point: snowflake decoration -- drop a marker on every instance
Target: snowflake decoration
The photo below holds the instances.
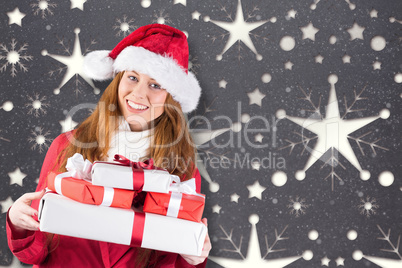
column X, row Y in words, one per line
column 161, row 17
column 373, row 144
column 304, row 140
column 381, row 261
column 333, row 163
column 237, row 248
column 297, row 206
column 124, row 27
column 193, row 64
column 207, row 109
column 39, row 139
column 395, row 249
column 13, row 57
column 208, row 153
column 36, row 105
column 254, row 257
column 42, row 7
column 368, row 206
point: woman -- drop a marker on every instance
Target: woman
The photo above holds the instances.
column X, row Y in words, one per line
column 140, row 115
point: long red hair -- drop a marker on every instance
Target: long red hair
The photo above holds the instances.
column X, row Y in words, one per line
column 171, row 146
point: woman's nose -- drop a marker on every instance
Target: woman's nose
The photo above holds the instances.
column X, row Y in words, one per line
column 140, row 90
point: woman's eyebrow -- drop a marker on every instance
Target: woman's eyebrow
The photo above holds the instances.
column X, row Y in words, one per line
column 153, row 81
column 133, row 72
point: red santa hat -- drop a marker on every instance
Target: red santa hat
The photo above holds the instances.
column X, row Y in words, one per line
column 157, row 50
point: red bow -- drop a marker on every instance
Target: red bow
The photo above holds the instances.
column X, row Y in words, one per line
column 138, row 169
column 147, row 164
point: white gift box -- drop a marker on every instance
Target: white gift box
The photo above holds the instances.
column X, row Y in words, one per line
column 61, row 215
column 120, row 176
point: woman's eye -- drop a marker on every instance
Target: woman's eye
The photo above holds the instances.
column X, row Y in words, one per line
column 133, row 78
column 155, row 86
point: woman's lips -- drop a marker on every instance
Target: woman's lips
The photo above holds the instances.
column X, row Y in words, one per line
column 133, row 110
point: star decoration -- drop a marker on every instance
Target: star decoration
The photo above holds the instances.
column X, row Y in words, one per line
column 255, row 165
column 222, row 83
column 74, row 62
column 202, row 137
column 196, row 15
column 292, row 13
column 216, row 209
column 15, row 16
column 16, row 176
column 377, row 65
column 258, row 137
column 78, row 4
column 374, row 13
column 183, row 2
column 234, row 198
column 339, row 261
column 319, row 58
column 356, row 32
column 256, row 97
column 333, row 132
column 67, row 124
column 6, row 204
column 239, row 30
column 309, row 31
column 325, row 261
column 346, row 58
column 255, row 190
column 288, row 65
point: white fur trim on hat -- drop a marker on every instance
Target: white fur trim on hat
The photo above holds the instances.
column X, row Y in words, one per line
column 98, row 65
column 183, row 87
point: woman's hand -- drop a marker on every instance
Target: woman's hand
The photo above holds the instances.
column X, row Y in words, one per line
column 21, row 212
column 194, row 260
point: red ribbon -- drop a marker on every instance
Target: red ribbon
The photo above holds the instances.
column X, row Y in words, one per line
column 147, row 164
column 138, row 169
column 138, row 229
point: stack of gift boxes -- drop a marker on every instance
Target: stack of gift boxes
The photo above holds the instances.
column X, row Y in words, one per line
column 94, row 201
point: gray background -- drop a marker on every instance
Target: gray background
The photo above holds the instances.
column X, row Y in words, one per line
column 367, row 207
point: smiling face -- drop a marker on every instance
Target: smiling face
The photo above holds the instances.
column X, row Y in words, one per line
column 141, row 100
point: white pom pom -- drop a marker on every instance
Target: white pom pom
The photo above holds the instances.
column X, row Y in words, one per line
column 98, row 65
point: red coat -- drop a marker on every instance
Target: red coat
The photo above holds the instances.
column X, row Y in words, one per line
column 77, row 252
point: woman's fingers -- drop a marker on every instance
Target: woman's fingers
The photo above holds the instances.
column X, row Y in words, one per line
column 28, row 210
column 28, row 197
column 205, row 221
column 28, row 223
column 194, row 260
column 207, row 244
column 21, row 212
